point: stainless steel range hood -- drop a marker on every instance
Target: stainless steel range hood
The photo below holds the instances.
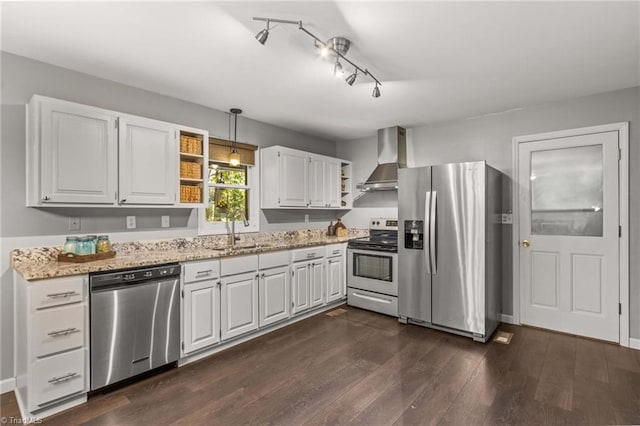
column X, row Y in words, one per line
column 392, row 154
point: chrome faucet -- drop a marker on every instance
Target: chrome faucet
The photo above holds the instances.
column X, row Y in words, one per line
column 233, row 215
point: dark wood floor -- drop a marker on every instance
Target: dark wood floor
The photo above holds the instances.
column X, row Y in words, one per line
column 363, row 368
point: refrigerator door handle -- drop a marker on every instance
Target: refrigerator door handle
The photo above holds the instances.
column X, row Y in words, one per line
column 426, row 228
column 432, row 234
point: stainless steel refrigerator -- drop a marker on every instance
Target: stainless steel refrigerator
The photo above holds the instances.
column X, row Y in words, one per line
column 449, row 242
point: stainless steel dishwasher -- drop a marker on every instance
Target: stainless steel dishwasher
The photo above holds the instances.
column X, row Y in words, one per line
column 135, row 322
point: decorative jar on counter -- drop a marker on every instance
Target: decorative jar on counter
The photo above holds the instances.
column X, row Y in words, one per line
column 103, row 245
column 70, row 245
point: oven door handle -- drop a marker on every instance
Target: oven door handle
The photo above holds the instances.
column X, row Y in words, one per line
column 426, row 229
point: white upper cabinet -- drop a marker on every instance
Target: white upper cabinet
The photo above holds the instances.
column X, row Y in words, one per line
column 76, row 149
column 296, row 179
column 78, row 155
column 147, row 155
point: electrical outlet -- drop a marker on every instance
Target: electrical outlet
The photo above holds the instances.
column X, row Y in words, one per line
column 507, row 218
column 306, row 218
column 74, row 223
column 131, row 222
column 165, row 222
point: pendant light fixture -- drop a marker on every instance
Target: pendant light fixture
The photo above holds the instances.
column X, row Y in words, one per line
column 234, row 157
column 337, row 46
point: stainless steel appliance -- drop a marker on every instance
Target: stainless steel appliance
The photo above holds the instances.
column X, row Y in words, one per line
column 449, row 247
column 372, row 268
column 135, row 322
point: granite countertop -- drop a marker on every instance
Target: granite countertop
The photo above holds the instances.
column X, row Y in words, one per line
column 42, row 263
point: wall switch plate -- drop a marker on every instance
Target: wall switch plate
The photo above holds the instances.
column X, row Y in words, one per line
column 131, row 222
column 74, row 223
column 165, row 222
column 507, row 218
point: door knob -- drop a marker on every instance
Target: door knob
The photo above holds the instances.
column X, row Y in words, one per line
column 526, row 243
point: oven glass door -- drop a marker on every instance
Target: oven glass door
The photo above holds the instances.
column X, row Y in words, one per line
column 373, row 270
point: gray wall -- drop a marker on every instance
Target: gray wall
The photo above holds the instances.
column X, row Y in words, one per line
column 21, row 79
column 490, row 138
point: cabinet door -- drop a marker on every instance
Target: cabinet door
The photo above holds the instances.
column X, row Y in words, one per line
column 317, row 283
column 201, row 316
column 335, row 278
column 147, row 167
column 78, row 154
column 317, row 177
column 332, row 184
column 293, row 179
column 301, row 287
column 239, row 304
column 274, row 295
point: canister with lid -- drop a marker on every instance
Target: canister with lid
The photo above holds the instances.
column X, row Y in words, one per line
column 103, row 245
column 70, row 245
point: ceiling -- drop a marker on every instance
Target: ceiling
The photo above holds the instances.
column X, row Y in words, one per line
column 437, row 60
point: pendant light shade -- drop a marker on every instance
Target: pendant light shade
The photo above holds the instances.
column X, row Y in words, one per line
column 234, row 158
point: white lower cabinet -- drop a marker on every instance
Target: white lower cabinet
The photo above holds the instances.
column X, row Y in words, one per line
column 201, row 318
column 200, row 305
column 316, row 275
column 335, row 279
column 301, row 286
column 51, row 344
column 274, row 295
column 239, row 304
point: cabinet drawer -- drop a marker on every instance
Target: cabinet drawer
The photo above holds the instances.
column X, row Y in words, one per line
column 373, row 301
column 199, row 271
column 273, row 260
column 334, row 250
column 57, row 330
column 59, row 291
column 307, row 254
column 238, row 265
column 58, row 376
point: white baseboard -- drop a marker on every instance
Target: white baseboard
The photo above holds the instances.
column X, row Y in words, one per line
column 7, row 385
column 634, row 343
column 508, row 319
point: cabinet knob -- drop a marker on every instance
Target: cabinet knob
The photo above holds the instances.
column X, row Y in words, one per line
column 46, row 198
column 526, row 244
column 124, row 200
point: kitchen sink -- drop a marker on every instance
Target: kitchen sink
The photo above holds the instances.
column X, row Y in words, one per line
column 241, row 246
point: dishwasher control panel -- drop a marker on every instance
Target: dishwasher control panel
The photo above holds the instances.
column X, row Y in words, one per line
column 100, row 279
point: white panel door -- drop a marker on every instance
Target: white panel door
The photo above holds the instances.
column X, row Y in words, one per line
column 293, row 179
column 301, row 287
column 335, row 278
column 333, row 195
column 201, row 317
column 274, row 295
column 569, row 234
column 78, row 156
column 148, row 159
column 317, row 273
column 239, row 304
column 317, row 173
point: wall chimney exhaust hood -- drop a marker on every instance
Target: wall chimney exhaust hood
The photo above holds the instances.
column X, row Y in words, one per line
column 392, row 155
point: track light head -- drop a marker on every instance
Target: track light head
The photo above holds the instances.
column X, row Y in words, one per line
column 376, row 92
column 352, row 78
column 337, row 69
column 263, row 35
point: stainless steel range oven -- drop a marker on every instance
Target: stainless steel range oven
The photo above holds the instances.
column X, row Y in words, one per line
column 372, row 268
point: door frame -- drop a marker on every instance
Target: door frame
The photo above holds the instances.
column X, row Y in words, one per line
column 623, row 199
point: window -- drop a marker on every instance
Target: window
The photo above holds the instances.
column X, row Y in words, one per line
column 232, row 197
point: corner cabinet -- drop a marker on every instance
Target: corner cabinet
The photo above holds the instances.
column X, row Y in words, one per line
column 79, row 155
column 291, row 178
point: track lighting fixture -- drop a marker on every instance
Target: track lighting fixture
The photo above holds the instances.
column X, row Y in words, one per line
column 351, row 78
column 263, row 35
column 337, row 46
column 234, row 156
column 376, row 92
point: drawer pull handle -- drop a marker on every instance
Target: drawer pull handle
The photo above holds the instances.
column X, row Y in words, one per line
column 202, row 273
column 61, row 379
column 63, row 294
column 63, row 332
column 373, row 299
column 336, row 252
